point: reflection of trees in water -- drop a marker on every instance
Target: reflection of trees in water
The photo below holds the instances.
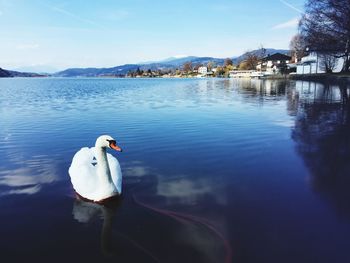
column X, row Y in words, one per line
column 322, row 133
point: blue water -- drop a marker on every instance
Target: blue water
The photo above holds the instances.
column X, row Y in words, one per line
column 215, row 170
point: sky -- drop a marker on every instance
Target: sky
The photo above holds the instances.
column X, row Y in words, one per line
column 57, row 34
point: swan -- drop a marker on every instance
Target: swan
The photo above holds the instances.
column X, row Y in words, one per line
column 96, row 174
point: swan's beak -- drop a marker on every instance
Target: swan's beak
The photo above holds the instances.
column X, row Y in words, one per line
column 116, row 147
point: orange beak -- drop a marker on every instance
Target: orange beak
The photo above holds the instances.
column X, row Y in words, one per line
column 116, row 147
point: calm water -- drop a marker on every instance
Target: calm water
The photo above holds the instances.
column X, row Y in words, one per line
column 214, row 171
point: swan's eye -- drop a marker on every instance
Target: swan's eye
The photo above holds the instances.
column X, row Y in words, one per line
column 112, row 142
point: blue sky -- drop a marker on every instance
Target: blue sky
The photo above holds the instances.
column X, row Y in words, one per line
column 107, row 33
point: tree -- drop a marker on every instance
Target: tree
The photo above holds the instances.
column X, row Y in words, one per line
column 326, row 27
column 210, row 65
column 196, row 67
column 139, row 72
column 187, row 67
column 251, row 60
column 328, row 62
column 298, row 47
column 220, row 71
column 228, row 62
column 243, row 66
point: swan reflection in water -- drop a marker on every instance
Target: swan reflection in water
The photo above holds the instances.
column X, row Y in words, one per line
column 87, row 212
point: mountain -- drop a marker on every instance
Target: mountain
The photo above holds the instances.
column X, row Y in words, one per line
column 259, row 53
column 41, row 69
column 4, row 73
column 10, row 73
column 25, row 74
column 166, row 64
column 178, row 62
column 94, row 72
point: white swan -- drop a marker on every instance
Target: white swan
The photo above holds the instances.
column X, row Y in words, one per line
column 95, row 174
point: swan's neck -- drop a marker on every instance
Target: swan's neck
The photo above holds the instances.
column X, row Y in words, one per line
column 103, row 170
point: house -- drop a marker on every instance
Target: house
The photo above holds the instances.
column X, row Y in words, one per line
column 317, row 62
column 203, row 71
column 273, row 64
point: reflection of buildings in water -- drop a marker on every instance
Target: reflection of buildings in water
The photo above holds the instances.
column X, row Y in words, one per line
column 207, row 90
column 292, row 99
column 322, row 134
column 325, row 92
column 262, row 88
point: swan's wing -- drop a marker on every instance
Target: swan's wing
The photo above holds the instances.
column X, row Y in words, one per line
column 83, row 172
column 116, row 172
column 83, row 156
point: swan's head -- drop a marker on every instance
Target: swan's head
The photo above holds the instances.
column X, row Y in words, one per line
column 106, row 141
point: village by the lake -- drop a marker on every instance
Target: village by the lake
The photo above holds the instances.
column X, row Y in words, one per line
column 175, row 131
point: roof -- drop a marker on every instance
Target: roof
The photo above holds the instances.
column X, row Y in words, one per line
column 277, row 56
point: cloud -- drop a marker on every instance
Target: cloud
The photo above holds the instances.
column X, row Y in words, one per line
column 293, row 23
column 72, row 15
column 27, row 46
column 28, row 190
column 29, row 179
column 188, row 191
column 292, row 6
column 1, row 13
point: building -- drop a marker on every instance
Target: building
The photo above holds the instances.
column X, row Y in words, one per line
column 315, row 63
column 273, row 64
column 203, row 71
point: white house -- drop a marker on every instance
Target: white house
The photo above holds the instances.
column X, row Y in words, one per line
column 203, row 70
column 314, row 64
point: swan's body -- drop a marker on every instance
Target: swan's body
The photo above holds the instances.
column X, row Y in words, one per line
column 96, row 174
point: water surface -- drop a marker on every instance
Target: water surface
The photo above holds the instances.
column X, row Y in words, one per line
column 215, row 170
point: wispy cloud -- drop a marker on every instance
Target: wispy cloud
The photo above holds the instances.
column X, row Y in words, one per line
column 27, row 46
column 1, row 13
column 72, row 15
column 289, row 24
column 292, row 6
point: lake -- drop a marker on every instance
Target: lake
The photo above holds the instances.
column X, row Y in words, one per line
column 214, row 170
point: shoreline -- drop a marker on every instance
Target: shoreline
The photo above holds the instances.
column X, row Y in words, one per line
column 343, row 77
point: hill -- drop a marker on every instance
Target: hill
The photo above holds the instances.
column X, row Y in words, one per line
column 259, row 53
column 4, row 73
column 95, row 72
column 10, row 73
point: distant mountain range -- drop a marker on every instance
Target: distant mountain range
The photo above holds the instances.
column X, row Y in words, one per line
column 10, row 73
column 40, row 69
column 166, row 64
